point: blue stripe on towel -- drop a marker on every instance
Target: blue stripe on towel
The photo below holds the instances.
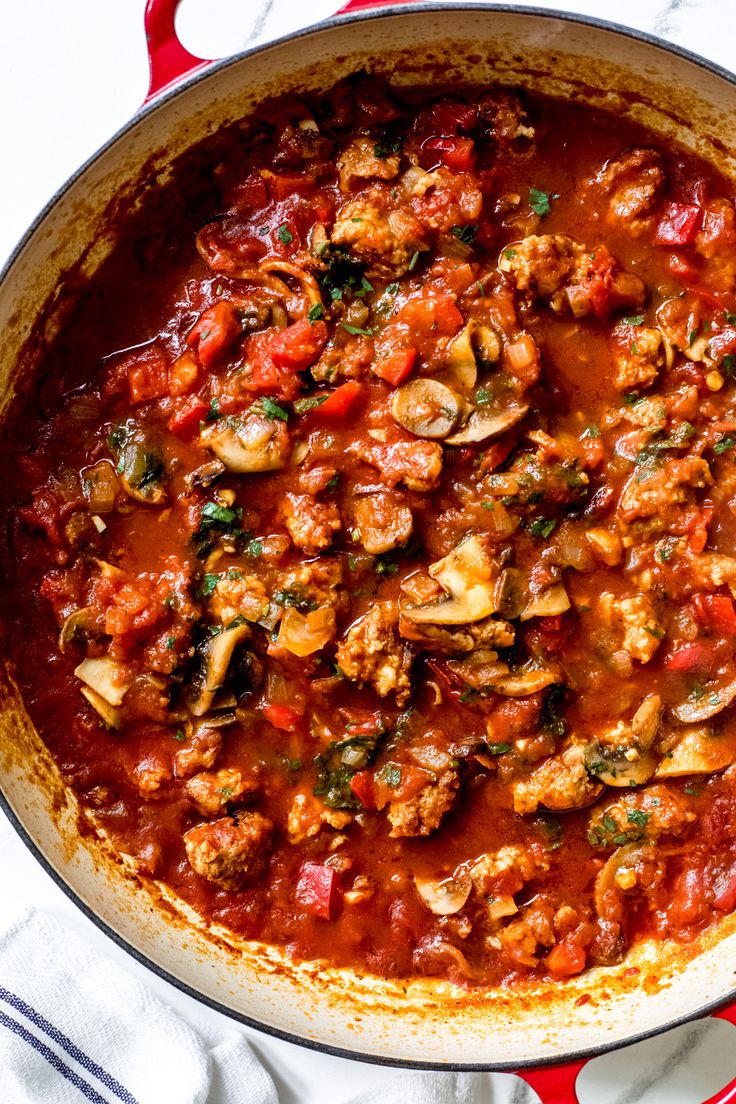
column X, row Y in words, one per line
column 71, row 1048
column 53, row 1059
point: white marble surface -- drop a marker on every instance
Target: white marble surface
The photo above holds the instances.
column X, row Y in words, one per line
column 70, row 74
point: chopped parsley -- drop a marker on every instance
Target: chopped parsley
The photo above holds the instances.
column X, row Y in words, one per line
column 272, row 409
column 217, row 521
column 464, row 234
column 385, row 147
column 284, row 234
column 727, row 442
column 691, row 337
column 208, row 585
column 356, row 330
column 294, row 599
column 498, row 749
column 482, row 396
column 542, row 527
column 539, row 202
column 390, row 775
column 303, row 406
column 315, row 313
column 253, row 548
column 633, row 320
column 638, row 817
column 413, row 261
column 509, row 254
column 392, row 289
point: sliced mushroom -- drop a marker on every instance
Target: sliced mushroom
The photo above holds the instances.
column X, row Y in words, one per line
column 79, row 623
column 519, row 684
column 466, row 577
column 443, row 898
column 712, row 701
column 141, row 471
column 476, row 342
column 427, row 408
column 485, row 423
column 623, row 756
column 619, row 875
column 252, row 443
column 549, row 603
column 108, row 679
column 509, row 593
column 109, row 714
column 698, row 751
column 216, row 655
column 205, row 475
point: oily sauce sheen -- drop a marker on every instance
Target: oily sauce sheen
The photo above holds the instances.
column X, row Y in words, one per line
column 370, row 546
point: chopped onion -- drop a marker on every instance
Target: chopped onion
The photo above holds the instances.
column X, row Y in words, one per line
column 304, row 634
column 522, row 353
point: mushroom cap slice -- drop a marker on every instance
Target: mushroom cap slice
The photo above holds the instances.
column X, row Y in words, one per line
column 111, row 716
column 140, row 470
column 446, row 897
column 467, row 575
column 485, row 423
column 518, row 684
column 253, row 443
column 549, row 603
column 427, row 408
column 79, row 622
column 698, row 751
column 216, row 654
column 707, row 705
column 108, row 679
column 614, row 766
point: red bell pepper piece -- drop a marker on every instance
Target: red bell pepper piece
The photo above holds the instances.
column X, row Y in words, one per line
column 689, row 657
column 456, row 153
column 565, row 959
column 678, row 224
column 717, row 612
column 681, row 268
column 316, row 889
column 340, row 402
column 285, row 184
column 215, row 332
column 298, row 345
column 187, row 418
column 284, row 717
column 362, row 786
column 148, row 375
column 396, row 367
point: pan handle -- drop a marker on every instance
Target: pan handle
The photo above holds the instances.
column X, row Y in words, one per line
column 168, row 60
column 556, row 1084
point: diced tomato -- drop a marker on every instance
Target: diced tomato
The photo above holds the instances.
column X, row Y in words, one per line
column 456, row 153
column 283, row 185
column 250, row 194
column 565, row 959
column 496, row 453
column 188, row 416
column 680, row 267
column 284, row 717
column 723, row 343
column 717, row 612
column 396, row 367
column 689, row 657
column 678, row 224
column 316, row 889
column 341, row 401
column 689, row 904
column 395, row 782
column 298, row 345
column 147, row 375
column 724, row 888
column 598, row 282
column 215, row 332
column 362, row 786
column 447, row 117
column 183, row 374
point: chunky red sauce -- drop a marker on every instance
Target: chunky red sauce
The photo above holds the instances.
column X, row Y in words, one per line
column 382, row 497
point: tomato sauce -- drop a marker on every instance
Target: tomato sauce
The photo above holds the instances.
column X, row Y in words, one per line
column 370, row 555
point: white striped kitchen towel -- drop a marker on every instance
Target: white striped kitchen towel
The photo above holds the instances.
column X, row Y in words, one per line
column 75, row 1028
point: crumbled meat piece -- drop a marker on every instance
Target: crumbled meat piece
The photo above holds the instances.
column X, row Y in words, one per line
column 311, row 524
column 417, row 464
column 200, row 753
column 520, row 940
column 314, row 479
column 359, row 161
column 560, row 782
column 345, row 356
column 681, row 321
column 442, row 199
column 307, row 816
column 150, row 773
column 570, row 276
column 648, row 413
column 535, row 482
column 651, row 488
column 638, row 354
column 317, row 581
column 505, row 871
column 633, row 183
column 637, row 617
column 657, row 810
column 383, row 521
column 489, row 633
column 504, row 116
column 373, row 652
column 210, row 792
column 383, row 236
column 422, row 813
column 228, row 851
column 238, row 595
